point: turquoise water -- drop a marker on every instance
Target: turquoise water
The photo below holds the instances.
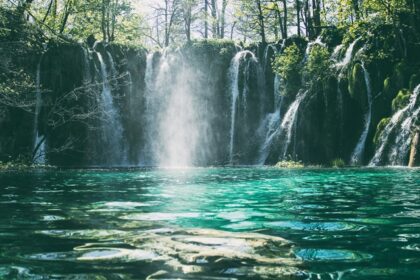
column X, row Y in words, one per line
column 221, row 223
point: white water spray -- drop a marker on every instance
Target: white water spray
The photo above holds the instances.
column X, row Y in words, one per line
column 234, row 87
column 357, row 155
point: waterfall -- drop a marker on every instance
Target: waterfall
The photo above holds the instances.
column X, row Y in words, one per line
column 112, row 128
column 336, row 53
column 348, row 56
column 266, row 56
column 39, row 146
column 87, row 78
column 234, row 87
column 177, row 130
column 112, row 64
column 146, row 154
column 289, row 122
column 395, row 139
column 357, row 155
column 271, row 124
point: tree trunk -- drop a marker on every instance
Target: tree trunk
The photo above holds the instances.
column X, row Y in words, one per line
column 356, row 9
column 103, row 19
column 261, row 21
column 215, row 24
column 285, row 19
column 298, row 17
column 206, row 19
column 223, row 19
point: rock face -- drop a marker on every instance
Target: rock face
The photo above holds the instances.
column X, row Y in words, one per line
column 211, row 103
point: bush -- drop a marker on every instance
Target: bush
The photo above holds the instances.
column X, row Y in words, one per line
column 318, row 66
column 288, row 66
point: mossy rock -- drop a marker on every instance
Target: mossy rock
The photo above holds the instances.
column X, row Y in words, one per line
column 401, row 100
column 357, row 84
column 389, row 89
column 379, row 129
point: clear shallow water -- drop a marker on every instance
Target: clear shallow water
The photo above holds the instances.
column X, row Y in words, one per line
column 211, row 224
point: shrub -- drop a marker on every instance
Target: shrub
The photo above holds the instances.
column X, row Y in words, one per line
column 288, row 66
column 318, row 66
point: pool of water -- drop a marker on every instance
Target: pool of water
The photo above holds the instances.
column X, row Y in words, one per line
column 213, row 223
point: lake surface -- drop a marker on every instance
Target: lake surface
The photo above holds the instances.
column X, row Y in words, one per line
column 215, row 223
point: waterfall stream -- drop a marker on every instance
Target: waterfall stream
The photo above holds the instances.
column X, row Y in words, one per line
column 271, row 124
column 112, row 129
column 39, row 146
column 289, row 122
column 234, row 87
column 394, row 142
column 348, row 56
column 357, row 155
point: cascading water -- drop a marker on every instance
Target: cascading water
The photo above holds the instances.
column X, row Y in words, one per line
column 146, row 157
column 271, row 124
column 179, row 112
column 348, row 56
column 234, row 87
column 289, row 122
column 357, row 155
column 395, row 139
column 39, row 146
column 112, row 129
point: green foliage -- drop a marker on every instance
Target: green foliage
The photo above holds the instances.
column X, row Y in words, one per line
column 379, row 129
column 288, row 66
column 318, row 66
column 338, row 163
column 289, row 164
column 332, row 36
column 401, row 100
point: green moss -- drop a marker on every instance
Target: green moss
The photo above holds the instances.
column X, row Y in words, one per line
column 357, row 85
column 289, row 164
column 401, row 100
column 379, row 129
column 338, row 163
column 387, row 89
